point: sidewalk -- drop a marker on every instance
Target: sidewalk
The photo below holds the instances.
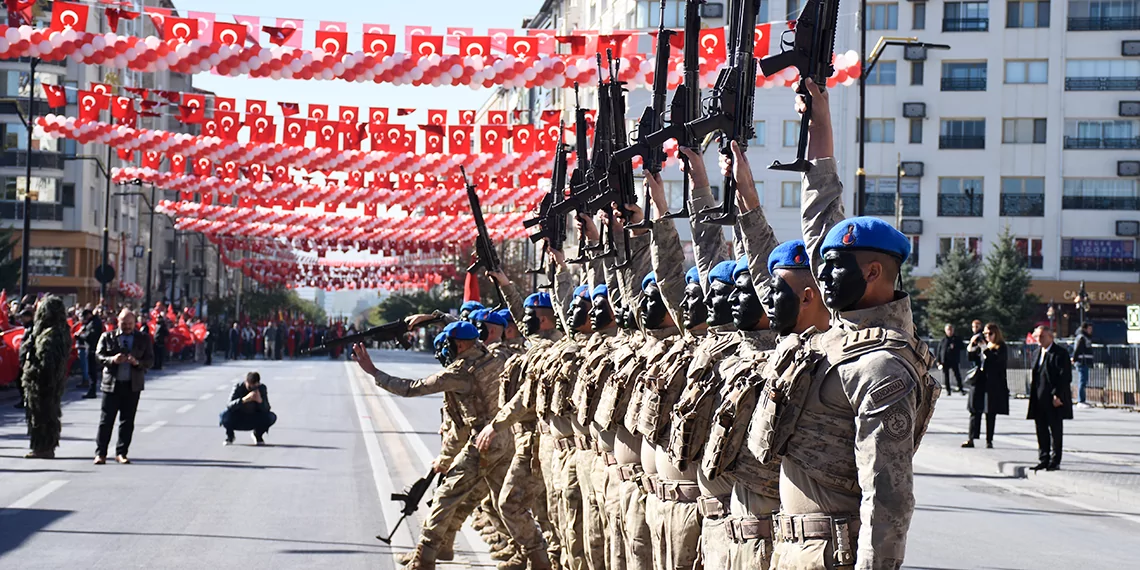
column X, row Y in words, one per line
column 1101, row 448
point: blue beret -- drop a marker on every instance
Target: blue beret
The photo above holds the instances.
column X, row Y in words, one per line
column 471, row 306
column 461, row 330
column 788, row 255
column 476, row 315
column 506, row 315
column 582, row 291
column 867, row 233
column 440, row 339
column 539, row 300
column 491, row 317
column 723, row 272
column 693, row 276
column 650, row 277
column 741, row 267
column 601, row 291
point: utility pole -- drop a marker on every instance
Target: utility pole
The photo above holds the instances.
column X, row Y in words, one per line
column 26, row 238
column 106, row 223
column 150, row 253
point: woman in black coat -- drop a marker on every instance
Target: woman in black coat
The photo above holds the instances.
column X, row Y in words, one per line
column 989, row 391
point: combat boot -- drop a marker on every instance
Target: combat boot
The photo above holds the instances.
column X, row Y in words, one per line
column 539, row 560
column 516, row 562
column 423, row 558
column 446, row 552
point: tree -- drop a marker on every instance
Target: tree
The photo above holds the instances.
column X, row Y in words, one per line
column 395, row 307
column 917, row 306
column 956, row 294
column 9, row 263
column 263, row 305
column 1006, row 286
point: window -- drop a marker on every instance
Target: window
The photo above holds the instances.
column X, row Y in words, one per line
column 913, row 259
column 16, row 83
column 790, row 194
column 878, row 131
column 1102, row 75
column 882, row 16
column 880, row 197
column 1103, row 15
column 593, row 12
column 649, row 13
column 43, row 189
column 882, row 74
column 794, row 7
column 71, row 90
column 48, row 261
column 1021, row 71
column 1030, row 250
column 791, row 133
column 1023, row 197
column 68, row 195
column 1098, row 254
column 965, row 17
column 759, row 134
column 1023, row 131
column 917, row 69
column 962, row 133
column 1027, row 14
column 15, row 137
column 960, row 197
column 961, row 76
column 1102, row 133
column 916, row 131
column 1099, row 194
column 971, row 245
column 919, row 17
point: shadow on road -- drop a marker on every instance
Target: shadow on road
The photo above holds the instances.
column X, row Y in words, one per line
column 17, row 525
column 369, row 547
column 1021, row 511
column 214, row 463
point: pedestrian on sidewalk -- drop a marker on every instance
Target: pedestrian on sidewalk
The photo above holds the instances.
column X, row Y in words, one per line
column 161, row 332
column 989, row 391
column 82, row 348
column 949, row 354
column 248, row 410
column 126, row 354
column 45, row 376
column 1083, row 360
column 977, row 341
column 1050, row 398
column 232, row 348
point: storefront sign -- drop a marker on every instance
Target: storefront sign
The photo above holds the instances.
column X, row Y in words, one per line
column 1066, row 292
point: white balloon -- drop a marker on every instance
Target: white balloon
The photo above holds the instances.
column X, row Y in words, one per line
column 12, row 35
column 498, row 67
column 120, row 61
column 529, row 74
column 849, row 81
column 455, row 71
column 435, row 82
column 327, row 74
column 338, row 69
column 4, row 45
column 275, row 74
column 416, row 74
column 98, row 42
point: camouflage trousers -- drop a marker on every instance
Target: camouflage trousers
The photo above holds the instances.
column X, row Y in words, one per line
column 610, row 498
column 635, row 531
column 679, row 525
column 569, row 508
column 816, row 554
column 593, row 523
column 524, row 486
column 753, row 552
column 656, row 524
column 479, row 504
column 715, row 542
column 552, row 526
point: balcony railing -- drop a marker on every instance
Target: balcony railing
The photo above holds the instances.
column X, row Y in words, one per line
column 40, row 159
column 1128, row 203
column 960, row 205
column 1098, row 264
column 1104, row 23
column 1102, row 84
column 965, row 24
column 19, row 107
column 883, row 204
column 1102, row 143
column 1023, row 205
column 963, row 83
column 14, row 210
column 946, row 141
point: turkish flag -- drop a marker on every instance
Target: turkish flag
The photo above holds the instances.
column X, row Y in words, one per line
column 403, row 112
column 376, row 133
column 289, row 109
column 522, row 47
column 522, row 138
column 349, row 114
column 375, row 29
column 551, row 116
column 123, row 109
column 230, row 34
column 577, row 43
column 491, row 138
column 294, row 132
column 177, row 164
column 409, row 140
column 455, row 37
column 499, row 37
column 66, row 15
column 762, row 40
column 294, row 39
column 196, row 108
column 318, row 112
column 351, row 133
column 281, row 36
column 379, row 44
column 548, row 137
column 230, row 170
column 423, row 46
column 252, row 26
column 326, row 26
column 467, row 117
column 56, row 96
column 151, row 159
column 125, row 154
column 182, row 29
column 377, row 115
column 334, row 43
column 255, row 172
column 412, row 31
column 203, row 166
column 254, row 107
column 476, row 45
column 225, row 104
column 19, row 14
column 263, row 130
column 209, row 128
column 612, row 42
column 229, row 123
column 355, row 179
column 711, row 42
column 433, row 138
column 437, row 116
column 205, row 23
column 158, row 17
column 280, row 174
column 496, row 117
column 114, row 15
column 545, row 40
column 328, row 135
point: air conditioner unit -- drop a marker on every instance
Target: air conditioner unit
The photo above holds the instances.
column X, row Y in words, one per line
column 914, row 110
column 911, row 227
column 914, row 53
column 1130, row 108
column 1127, row 228
column 1130, row 47
column 913, row 169
column 712, row 10
column 1128, row 168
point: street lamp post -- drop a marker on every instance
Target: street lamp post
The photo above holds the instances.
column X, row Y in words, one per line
column 26, row 238
column 150, row 251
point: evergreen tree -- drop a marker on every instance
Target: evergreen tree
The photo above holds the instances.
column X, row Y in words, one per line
column 9, row 263
column 1006, row 286
column 956, row 294
column 917, row 306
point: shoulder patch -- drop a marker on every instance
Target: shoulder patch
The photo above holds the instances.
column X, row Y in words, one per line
column 888, row 393
column 863, row 338
column 897, row 423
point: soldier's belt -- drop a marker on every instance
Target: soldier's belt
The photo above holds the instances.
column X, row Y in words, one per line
column 839, row 530
column 543, row 428
column 564, row 443
column 678, row 491
column 712, row 507
column 741, row 529
column 582, row 442
column 523, row 428
column 609, row 458
column 649, row 483
column 630, row 472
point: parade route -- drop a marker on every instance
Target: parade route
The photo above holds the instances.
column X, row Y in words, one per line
column 316, row 495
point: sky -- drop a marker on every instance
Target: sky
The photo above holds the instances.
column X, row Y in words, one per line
column 440, row 14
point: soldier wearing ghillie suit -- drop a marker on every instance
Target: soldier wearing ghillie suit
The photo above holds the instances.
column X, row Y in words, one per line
column 45, row 375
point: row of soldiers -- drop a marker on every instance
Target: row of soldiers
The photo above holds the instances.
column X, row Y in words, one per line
column 760, row 410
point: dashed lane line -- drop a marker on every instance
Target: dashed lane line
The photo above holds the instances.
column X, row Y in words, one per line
column 205, row 397
column 184, row 409
column 29, row 500
column 153, row 427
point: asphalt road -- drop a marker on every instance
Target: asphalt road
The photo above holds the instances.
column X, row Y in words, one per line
column 316, row 496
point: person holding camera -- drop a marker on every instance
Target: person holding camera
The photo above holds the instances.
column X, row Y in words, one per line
column 248, row 410
column 125, row 354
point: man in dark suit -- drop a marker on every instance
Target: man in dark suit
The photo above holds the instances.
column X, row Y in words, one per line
column 248, row 410
column 1050, row 398
column 949, row 353
column 126, row 354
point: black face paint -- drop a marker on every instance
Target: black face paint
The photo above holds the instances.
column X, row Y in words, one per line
column 782, row 305
column 719, row 303
column 653, row 311
column 484, row 332
column 841, row 280
column 747, row 311
column 531, row 320
column 601, row 316
column 693, row 306
column 580, row 314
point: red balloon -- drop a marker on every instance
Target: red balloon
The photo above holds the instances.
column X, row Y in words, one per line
column 855, row 71
column 840, row 76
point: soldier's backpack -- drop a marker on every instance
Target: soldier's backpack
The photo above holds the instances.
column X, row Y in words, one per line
column 730, row 421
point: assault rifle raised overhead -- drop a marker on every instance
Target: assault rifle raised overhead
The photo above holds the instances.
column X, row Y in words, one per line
column 395, row 330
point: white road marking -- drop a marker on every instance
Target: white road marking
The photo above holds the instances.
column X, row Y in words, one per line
column 204, row 397
column 153, row 427
column 380, row 471
column 27, row 501
column 185, row 409
column 223, row 387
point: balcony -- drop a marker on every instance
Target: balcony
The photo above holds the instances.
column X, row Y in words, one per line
column 883, row 204
column 1102, row 84
column 18, row 107
column 1104, row 24
column 946, row 141
column 960, row 205
column 965, row 24
column 1127, row 203
column 40, row 159
column 1102, row 143
column 1098, row 264
column 13, row 210
column 963, row 83
column 1023, row 205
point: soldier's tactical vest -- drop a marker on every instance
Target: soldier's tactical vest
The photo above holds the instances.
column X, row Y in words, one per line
column 693, row 413
column 512, row 379
column 742, row 383
column 617, row 391
column 553, row 388
column 596, row 368
column 663, row 381
column 787, row 376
